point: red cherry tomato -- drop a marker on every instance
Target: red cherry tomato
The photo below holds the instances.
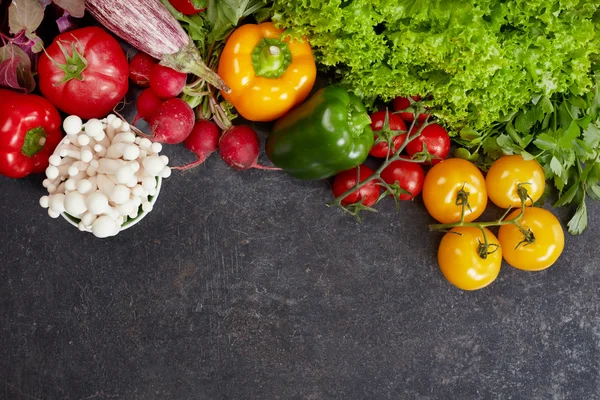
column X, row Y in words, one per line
column 435, row 138
column 368, row 194
column 402, row 103
column 409, row 175
column 87, row 75
column 395, row 123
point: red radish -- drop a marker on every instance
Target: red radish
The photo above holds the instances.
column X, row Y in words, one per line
column 173, row 122
column 139, row 69
column 147, row 104
column 203, row 141
column 166, row 82
column 239, row 147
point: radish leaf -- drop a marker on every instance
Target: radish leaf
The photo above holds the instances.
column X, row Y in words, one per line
column 65, row 23
column 25, row 15
column 15, row 69
column 74, row 7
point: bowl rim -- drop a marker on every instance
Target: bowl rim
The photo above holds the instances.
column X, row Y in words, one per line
column 129, row 222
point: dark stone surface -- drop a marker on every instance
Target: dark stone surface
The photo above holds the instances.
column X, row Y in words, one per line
column 244, row 285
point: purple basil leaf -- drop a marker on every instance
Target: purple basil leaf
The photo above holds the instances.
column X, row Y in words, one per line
column 31, row 45
column 75, row 7
column 25, row 15
column 15, row 69
column 66, row 22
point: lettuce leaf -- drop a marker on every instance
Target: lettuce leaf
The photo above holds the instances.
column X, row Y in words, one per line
column 480, row 60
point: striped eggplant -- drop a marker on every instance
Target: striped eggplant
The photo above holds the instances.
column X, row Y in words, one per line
column 148, row 26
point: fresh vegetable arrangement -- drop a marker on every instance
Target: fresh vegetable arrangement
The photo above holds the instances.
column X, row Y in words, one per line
column 509, row 86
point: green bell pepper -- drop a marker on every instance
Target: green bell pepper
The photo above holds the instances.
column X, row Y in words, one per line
column 327, row 134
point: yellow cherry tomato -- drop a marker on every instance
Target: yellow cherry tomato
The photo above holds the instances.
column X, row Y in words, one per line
column 507, row 173
column 548, row 240
column 445, row 181
column 267, row 74
column 460, row 260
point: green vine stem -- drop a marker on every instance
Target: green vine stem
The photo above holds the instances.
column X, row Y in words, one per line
column 386, row 134
column 484, row 248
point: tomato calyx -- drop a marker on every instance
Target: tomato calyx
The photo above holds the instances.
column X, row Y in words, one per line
column 462, row 200
column 486, row 248
column 387, row 139
column 395, row 190
column 523, row 193
column 354, row 209
column 528, row 236
column 74, row 64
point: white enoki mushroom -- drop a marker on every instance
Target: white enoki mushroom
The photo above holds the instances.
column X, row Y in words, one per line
column 102, row 173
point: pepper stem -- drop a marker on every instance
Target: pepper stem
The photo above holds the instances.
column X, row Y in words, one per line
column 271, row 58
column 34, row 142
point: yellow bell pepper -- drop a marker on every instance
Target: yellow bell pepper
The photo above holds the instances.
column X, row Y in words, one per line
column 267, row 74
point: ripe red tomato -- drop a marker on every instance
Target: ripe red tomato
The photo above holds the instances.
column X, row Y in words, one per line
column 402, row 103
column 409, row 175
column 435, row 138
column 395, row 123
column 368, row 194
column 84, row 72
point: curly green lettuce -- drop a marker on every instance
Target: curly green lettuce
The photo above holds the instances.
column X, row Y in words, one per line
column 480, row 60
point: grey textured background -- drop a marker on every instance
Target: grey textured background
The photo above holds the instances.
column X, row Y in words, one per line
column 245, row 285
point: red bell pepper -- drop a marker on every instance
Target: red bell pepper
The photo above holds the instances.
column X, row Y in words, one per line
column 29, row 133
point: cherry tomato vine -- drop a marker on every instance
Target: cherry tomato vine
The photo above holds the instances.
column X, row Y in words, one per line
column 485, row 248
column 390, row 138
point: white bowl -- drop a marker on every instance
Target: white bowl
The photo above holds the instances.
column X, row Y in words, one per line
column 129, row 222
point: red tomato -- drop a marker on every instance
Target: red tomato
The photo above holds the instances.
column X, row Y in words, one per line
column 402, row 103
column 368, row 194
column 395, row 123
column 435, row 138
column 88, row 76
column 188, row 7
column 409, row 175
